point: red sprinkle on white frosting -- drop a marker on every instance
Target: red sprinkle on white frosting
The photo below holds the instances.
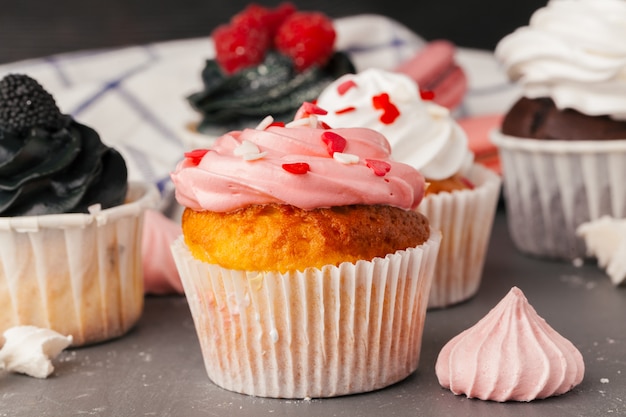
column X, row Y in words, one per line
column 422, row 133
column 345, row 110
column 345, row 86
column 390, row 111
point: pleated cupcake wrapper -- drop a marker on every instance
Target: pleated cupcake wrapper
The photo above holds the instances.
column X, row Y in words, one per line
column 78, row 274
column 465, row 219
column 318, row 333
column 551, row 187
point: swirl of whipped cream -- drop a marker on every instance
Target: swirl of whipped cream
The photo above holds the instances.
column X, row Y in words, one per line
column 510, row 354
column 64, row 171
column 421, row 133
column 273, row 87
column 573, row 52
column 254, row 166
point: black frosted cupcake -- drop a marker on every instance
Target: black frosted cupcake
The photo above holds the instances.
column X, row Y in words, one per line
column 70, row 222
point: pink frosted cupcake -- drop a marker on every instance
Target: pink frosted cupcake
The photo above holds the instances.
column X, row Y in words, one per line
column 306, row 267
column 70, row 223
column 461, row 197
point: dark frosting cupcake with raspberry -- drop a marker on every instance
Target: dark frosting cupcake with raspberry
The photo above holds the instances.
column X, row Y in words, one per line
column 49, row 163
column 268, row 62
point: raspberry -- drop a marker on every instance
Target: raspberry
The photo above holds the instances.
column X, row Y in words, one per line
column 25, row 104
column 278, row 16
column 307, row 38
column 239, row 46
column 255, row 18
column 261, row 18
column 248, row 36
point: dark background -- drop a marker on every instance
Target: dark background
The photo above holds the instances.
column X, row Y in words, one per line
column 36, row 28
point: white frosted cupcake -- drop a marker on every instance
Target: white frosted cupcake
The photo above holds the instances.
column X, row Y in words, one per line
column 461, row 197
column 70, row 223
column 563, row 143
column 306, row 268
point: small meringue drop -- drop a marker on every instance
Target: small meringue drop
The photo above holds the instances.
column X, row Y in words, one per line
column 511, row 354
column 29, row 350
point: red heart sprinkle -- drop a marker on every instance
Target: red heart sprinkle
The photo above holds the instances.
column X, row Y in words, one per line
column 380, row 168
column 390, row 111
column 334, row 142
column 323, row 124
column 279, row 124
column 297, row 168
column 345, row 86
column 345, row 110
column 427, row 95
column 196, row 155
column 311, row 108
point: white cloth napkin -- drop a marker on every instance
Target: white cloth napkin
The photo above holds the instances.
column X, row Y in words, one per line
column 135, row 96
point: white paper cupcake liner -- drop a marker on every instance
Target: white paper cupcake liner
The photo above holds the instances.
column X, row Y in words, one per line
column 78, row 274
column 465, row 219
column 551, row 187
column 318, row 333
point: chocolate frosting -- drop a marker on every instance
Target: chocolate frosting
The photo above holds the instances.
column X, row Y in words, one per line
column 64, row 171
column 541, row 119
column 243, row 99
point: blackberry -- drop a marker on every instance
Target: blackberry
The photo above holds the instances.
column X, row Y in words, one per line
column 25, row 104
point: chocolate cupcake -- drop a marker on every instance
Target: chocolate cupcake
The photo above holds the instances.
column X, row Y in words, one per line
column 563, row 144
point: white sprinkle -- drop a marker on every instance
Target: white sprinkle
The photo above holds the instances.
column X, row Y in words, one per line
column 577, row 262
column 604, row 380
column 274, row 335
column 246, row 147
column 436, row 110
column 300, row 122
column 253, row 156
column 265, row 123
column 346, row 158
column 249, row 151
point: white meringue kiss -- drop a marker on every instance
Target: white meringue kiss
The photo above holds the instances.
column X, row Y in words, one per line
column 29, row 350
column 605, row 239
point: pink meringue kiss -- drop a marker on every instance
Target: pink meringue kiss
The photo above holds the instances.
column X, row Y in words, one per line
column 511, row 354
column 160, row 275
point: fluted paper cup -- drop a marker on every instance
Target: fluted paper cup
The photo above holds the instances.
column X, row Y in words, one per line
column 552, row 186
column 78, row 274
column 317, row 333
column 465, row 218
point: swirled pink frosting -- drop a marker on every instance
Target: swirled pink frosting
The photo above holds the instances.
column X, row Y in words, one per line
column 247, row 167
column 511, row 354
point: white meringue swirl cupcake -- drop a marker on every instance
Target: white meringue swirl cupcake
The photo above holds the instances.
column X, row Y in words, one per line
column 424, row 135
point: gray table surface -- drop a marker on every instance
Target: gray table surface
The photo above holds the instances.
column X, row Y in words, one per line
column 157, row 369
